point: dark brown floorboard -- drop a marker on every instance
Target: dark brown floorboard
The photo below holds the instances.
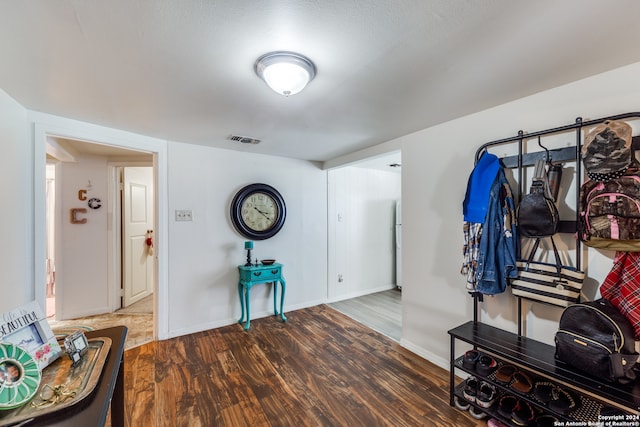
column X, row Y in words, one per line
column 321, row 368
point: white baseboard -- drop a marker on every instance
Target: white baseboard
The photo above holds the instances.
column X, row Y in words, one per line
column 425, row 354
column 360, row 293
column 192, row 329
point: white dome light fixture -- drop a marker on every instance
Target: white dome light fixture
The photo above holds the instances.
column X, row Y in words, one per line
column 285, row 72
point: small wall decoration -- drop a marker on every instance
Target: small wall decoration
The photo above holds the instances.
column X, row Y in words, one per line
column 94, row 203
column 74, row 216
column 27, row 327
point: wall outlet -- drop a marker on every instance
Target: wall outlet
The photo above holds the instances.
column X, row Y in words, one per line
column 340, row 278
column 184, row 215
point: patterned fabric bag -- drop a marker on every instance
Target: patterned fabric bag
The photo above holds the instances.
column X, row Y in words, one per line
column 622, row 287
column 610, row 212
column 609, row 203
column 606, row 153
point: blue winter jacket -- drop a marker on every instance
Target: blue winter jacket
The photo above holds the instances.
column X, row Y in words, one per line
column 474, row 207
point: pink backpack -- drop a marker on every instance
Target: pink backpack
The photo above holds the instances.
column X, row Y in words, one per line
column 610, row 213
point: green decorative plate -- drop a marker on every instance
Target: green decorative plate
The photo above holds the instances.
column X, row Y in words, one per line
column 19, row 376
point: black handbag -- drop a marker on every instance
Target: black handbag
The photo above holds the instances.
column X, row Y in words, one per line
column 597, row 339
column 537, row 212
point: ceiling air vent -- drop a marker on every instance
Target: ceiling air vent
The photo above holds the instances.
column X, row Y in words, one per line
column 244, row 139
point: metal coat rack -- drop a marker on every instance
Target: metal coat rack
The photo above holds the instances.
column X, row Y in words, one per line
column 560, row 155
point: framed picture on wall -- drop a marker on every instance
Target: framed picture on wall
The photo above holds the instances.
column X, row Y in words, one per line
column 27, row 328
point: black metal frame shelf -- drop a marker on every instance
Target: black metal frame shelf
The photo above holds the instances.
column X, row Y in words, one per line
column 538, row 357
column 529, row 354
column 561, row 155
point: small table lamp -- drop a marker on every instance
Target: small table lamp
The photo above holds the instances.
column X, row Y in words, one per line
column 248, row 245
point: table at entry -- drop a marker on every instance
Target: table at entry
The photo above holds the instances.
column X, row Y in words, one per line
column 109, row 392
column 255, row 274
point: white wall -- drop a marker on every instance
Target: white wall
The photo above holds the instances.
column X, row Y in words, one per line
column 361, row 231
column 205, row 253
column 202, row 256
column 16, row 215
column 435, row 168
column 81, row 264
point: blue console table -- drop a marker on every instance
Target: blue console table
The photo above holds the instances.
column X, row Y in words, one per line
column 256, row 274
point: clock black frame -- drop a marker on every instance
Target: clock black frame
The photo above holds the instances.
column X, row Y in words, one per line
column 236, row 211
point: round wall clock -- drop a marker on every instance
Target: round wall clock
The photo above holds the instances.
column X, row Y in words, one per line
column 258, row 211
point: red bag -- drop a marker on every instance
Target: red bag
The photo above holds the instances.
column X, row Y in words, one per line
column 622, row 287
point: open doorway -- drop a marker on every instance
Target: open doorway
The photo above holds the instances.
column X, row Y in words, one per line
column 364, row 242
column 101, row 268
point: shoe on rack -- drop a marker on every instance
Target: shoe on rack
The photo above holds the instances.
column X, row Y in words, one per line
column 507, row 404
column 486, row 395
column 504, row 374
column 564, row 401
column 521, row 382
column 545, row 392
column 470, row 359
column 470, row 390
column 523, row 414
column 477, row 413
column 461, row 403
column 486, row 365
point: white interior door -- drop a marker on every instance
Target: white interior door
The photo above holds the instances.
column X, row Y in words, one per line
column 137, row 219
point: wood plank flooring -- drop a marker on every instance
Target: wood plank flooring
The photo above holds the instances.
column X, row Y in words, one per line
column 381, row 311
column 321, row 368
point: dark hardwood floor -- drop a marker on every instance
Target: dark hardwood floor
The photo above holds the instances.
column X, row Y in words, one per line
column 321, row 368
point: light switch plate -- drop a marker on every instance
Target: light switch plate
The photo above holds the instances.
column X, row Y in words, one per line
column 184, row 215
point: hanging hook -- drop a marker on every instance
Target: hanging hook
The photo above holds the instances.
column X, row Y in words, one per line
column 480, row 152
column 547, row 156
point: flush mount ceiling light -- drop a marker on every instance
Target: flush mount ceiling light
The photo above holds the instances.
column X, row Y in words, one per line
column 285, row 72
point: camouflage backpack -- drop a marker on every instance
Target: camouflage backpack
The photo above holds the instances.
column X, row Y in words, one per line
column 610, row 212
column 610, row 200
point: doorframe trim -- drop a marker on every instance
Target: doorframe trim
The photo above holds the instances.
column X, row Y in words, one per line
column 48, row 125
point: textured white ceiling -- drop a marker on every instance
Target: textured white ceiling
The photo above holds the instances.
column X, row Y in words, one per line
column 183, row 70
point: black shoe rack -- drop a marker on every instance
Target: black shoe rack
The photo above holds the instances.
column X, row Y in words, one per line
column 593, row 397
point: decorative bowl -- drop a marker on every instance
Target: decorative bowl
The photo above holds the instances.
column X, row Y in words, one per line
column 268, row 261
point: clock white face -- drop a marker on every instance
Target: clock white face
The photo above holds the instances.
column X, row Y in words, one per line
column 80, row 343
column 259, row 211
